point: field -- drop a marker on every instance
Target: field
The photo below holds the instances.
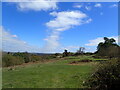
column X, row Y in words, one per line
column 51, row 74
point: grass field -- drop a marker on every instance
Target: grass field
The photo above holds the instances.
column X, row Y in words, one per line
column 54, row 74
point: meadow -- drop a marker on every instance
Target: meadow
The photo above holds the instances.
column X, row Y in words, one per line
column 56, row 73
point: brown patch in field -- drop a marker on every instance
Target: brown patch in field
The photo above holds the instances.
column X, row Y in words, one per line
column 84, row 63
column 77, row 63
column 81, row 61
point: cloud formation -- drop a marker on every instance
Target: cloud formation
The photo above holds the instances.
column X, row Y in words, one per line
column 52, row 43
column 13, row 44
column 86, row 6
column 98, row 5
column 114, row 5
column 63, row 21
column 77, row 5
column 37, row 6
column 71, row 48
column 96, row 41
column 66, row 19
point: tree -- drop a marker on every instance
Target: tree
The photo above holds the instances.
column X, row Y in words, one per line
column 65, row 53
column 80, row 51
column 107, row 48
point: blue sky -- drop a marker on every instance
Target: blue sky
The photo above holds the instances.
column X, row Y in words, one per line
column 53, row 27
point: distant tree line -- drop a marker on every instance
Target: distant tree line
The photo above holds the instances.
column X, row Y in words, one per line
column 108, row 49
column 17, row 58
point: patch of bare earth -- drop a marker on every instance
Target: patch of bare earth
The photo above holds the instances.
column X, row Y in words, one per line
column 81, row 62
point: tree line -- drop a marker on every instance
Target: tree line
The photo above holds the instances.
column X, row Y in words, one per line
column 17, row 58
column 106, row 49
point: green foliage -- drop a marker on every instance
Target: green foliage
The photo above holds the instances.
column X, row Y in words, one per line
column 35, row 58
column 57, row 54
column 65, row 53
column 10, row 60
column 47, row 57
column 108, row 48
column 106, row 76
column 26, row 56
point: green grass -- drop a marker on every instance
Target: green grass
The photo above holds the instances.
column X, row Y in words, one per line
column 58, row 74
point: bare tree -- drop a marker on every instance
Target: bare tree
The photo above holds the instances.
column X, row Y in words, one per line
column 81, row 50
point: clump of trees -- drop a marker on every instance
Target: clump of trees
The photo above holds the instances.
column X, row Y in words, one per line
column 107, row 74
column 66, row 53
column 108, row 48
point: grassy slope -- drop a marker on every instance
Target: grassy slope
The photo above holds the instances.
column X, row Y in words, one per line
column 50, row 75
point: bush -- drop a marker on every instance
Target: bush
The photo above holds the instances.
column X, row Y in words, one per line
column 35, row 58
column 106, row 76
column 47, row 57
column 9, row 60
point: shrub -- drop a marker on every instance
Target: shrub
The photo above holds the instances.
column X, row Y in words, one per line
column 35, row 58
column 10, row 60
column 106, row 76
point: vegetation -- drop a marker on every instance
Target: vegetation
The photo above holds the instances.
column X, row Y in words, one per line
column 99, row 70
column 12, row 59
column 108, row 48
column 106, row 76
column 80, row 51
column 65, row 53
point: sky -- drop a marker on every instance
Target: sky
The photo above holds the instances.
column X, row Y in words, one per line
column 50, row 27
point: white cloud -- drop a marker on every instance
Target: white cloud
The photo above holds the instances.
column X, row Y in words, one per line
column 78, row 6
column 71, row 48
column 66, row 19
column 88, row 8
column 37, row 6
column 114, row 5
column 82, row 5
column 52, row 43
column 90, row 49
column 13, row 44
column 98, row 5
column 63, row 21
column 96, row 41
column 14, row 36
column 89, row 20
